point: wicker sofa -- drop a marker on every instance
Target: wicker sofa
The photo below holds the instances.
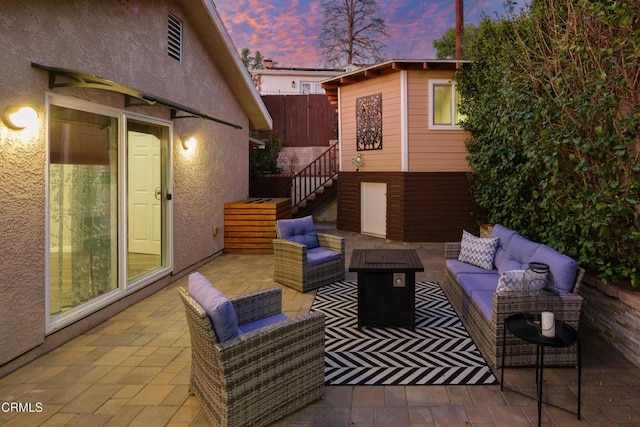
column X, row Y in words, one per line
column 274, row 367
column 472, row 292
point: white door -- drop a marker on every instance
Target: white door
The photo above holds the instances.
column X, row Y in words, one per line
column 145, row 193
column 373, row 208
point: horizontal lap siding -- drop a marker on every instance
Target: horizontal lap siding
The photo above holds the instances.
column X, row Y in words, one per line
column 387, row 159
column 433, row 207
column 442, row 206
column 431, row 150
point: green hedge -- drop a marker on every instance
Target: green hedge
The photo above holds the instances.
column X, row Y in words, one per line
column 552, row 102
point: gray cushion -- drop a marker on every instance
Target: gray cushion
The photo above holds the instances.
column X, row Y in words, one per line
column 218, row 307
column 511, row 281
column 477, row 251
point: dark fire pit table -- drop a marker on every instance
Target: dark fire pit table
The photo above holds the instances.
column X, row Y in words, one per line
column 386, row 286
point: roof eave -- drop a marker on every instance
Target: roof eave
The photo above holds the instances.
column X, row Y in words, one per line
column 218, row 42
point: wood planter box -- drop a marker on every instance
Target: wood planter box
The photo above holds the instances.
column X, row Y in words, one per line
column 250, row 224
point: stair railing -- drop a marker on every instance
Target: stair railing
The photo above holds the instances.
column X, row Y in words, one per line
column 312, row 177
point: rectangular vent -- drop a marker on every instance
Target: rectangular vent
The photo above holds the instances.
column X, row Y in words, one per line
column 175, row 38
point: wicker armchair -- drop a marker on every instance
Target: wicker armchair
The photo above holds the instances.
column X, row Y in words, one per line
column 291, row 258
column 260, row 376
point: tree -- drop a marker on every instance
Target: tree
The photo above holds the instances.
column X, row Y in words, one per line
column 255, row 62
column 351, row 33
column 446, row 46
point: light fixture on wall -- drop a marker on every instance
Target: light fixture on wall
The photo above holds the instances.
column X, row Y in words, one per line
column 358, row 161
column 19, row 118
column 189, row 144
column 293, row 83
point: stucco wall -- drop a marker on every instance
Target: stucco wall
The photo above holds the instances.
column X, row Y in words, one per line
column 128, row 46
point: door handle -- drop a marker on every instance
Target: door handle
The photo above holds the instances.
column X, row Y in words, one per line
column 158, row 193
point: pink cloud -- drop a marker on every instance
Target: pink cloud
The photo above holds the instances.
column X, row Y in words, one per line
column 287, row 31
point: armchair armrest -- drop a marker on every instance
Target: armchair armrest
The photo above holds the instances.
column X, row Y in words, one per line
column 287, row 249
column 452, row 250
column 257, row 305
column 331, row 242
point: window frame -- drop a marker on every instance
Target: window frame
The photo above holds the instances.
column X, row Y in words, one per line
column 124, row 287
column 454, row 105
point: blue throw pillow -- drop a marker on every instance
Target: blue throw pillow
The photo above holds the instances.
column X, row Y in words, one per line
column 218, row 307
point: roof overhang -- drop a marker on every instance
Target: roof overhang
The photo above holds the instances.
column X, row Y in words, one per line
column 218, row 42
column 63, row 77
column 384, row 68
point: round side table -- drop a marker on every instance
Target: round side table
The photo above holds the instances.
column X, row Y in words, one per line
column 522, row 326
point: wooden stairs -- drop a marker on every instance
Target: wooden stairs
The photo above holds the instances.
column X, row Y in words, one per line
column 314, row 184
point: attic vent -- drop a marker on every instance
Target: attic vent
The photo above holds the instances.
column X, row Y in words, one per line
column 175, row 38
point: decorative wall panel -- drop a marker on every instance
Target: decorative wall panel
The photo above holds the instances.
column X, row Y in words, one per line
column 369, row 122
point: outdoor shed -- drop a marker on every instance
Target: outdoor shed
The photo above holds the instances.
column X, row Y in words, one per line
column 403, row 169
column 134, row 136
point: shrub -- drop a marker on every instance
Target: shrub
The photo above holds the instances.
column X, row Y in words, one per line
column 552, row 102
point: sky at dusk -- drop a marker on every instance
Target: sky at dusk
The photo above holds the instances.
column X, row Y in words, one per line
column 287, row 31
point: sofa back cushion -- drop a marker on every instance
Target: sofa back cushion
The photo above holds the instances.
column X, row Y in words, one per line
column 563, row 268
column 504, row 236
column 521, row 249
column 299, row 230
column 218, row 307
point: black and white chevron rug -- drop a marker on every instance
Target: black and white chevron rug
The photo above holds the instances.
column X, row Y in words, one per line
column 439, row 352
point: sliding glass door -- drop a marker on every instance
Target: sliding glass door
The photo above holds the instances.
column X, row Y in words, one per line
column 108, row 203
column 145, row 195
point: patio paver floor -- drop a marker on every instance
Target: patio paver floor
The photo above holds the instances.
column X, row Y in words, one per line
column 133, row 370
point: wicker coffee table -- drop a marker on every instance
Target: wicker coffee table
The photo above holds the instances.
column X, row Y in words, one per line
column 386, row 286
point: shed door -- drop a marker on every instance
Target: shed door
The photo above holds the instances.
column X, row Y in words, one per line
column 374, row 208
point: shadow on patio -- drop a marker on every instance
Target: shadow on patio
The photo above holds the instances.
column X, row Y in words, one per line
column 134, row 370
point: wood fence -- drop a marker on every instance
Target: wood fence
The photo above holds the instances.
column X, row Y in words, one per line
column 301, row 120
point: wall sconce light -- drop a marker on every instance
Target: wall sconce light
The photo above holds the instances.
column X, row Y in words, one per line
column 19, row 118
column 189, row 144
column 293, row 83
column 358, row 161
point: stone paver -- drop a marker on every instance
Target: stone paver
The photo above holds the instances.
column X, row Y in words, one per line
column 133, row 370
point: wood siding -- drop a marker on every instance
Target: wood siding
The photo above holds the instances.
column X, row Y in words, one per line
column 250, row 225
column 421, row 207
column 301, row 120
column 428, row 150
column 387, row 159
column 431, row 150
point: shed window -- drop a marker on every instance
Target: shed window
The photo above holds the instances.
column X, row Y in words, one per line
column 443, row 105
column 175, row 38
